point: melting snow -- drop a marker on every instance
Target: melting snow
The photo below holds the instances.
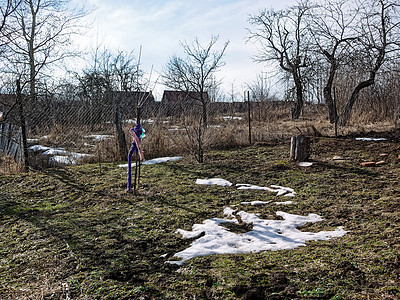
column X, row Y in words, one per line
column 266, row 235
column 99, row 137
column 59, row 155
column 279, row 190
column 214, row 181
column 154, row 161
column 371, row 139
column 257, row 202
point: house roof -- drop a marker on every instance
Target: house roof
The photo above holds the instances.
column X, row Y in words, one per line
column 180, row 96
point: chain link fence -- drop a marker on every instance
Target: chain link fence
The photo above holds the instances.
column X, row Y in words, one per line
column 64, row 130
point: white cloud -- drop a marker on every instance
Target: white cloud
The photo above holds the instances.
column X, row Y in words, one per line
column 159, row 26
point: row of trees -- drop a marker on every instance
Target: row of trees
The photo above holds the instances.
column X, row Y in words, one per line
column 339, row 37
column 314, row 45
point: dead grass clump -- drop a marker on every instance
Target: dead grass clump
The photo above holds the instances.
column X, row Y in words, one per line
column 229, row 136
column 160, row 140
column 9, row 166
column 104, row 151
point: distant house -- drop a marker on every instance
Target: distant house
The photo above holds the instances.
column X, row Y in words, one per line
column 175, row 102
column 129, row 100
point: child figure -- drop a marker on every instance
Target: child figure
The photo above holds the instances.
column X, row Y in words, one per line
column 137, row 134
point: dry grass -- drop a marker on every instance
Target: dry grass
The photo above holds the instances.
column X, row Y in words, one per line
column 170, row 136
column 9, row 166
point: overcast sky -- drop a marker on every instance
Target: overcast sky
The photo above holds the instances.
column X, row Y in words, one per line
column 159, row 26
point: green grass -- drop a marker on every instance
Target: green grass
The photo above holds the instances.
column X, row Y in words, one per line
column 74, row 232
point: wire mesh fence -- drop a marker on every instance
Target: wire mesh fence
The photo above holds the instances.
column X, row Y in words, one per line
column 64, row 131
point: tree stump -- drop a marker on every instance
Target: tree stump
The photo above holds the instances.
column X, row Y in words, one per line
column 300, row 148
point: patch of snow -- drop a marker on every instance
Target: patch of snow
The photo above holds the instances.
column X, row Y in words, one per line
column 226, row 118
column 55, row 151
column 161, row 160
column 99, row 137
column 257, row 202
column 154, row 161
column 63, row 160
column 59, row 155
column 229, row 212
column 32, row 140
column 214, row 181
column 38, row 148
column 290, row 194
column 79, row 155
column 175, row 128
column 371, row 139
column 284, row 203
column 279, row 190
column 266, row 235
column 305, row 164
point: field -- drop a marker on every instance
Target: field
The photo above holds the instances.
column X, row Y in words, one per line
column 74, row 233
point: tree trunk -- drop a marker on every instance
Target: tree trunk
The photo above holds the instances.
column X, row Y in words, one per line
column 300, row 148
column 298, row 107
column 328, row 90
column 345, row 115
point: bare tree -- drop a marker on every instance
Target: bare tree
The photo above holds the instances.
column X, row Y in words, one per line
column 7, row 7
column 282, row 37
column 332, row 25
column 260, row 88
column 40, row 34
column 193, row 74
column 379, row 37
column 107, row 82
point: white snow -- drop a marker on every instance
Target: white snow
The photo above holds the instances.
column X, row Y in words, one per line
column 371, row 139
column 266, row 235
column 161, row 160
column 36, row 148
column 279, row 190
column 99, row 137
column 55, row 151
column 256, row 202
column 284, row 203
column 59, row 155
column 32, row 140
column 226, row 118
column 64, row 160
column 214, row 181
column 154, row 161
column 305, row 164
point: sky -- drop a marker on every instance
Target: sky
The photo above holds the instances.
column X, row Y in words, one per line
column 158, row 27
